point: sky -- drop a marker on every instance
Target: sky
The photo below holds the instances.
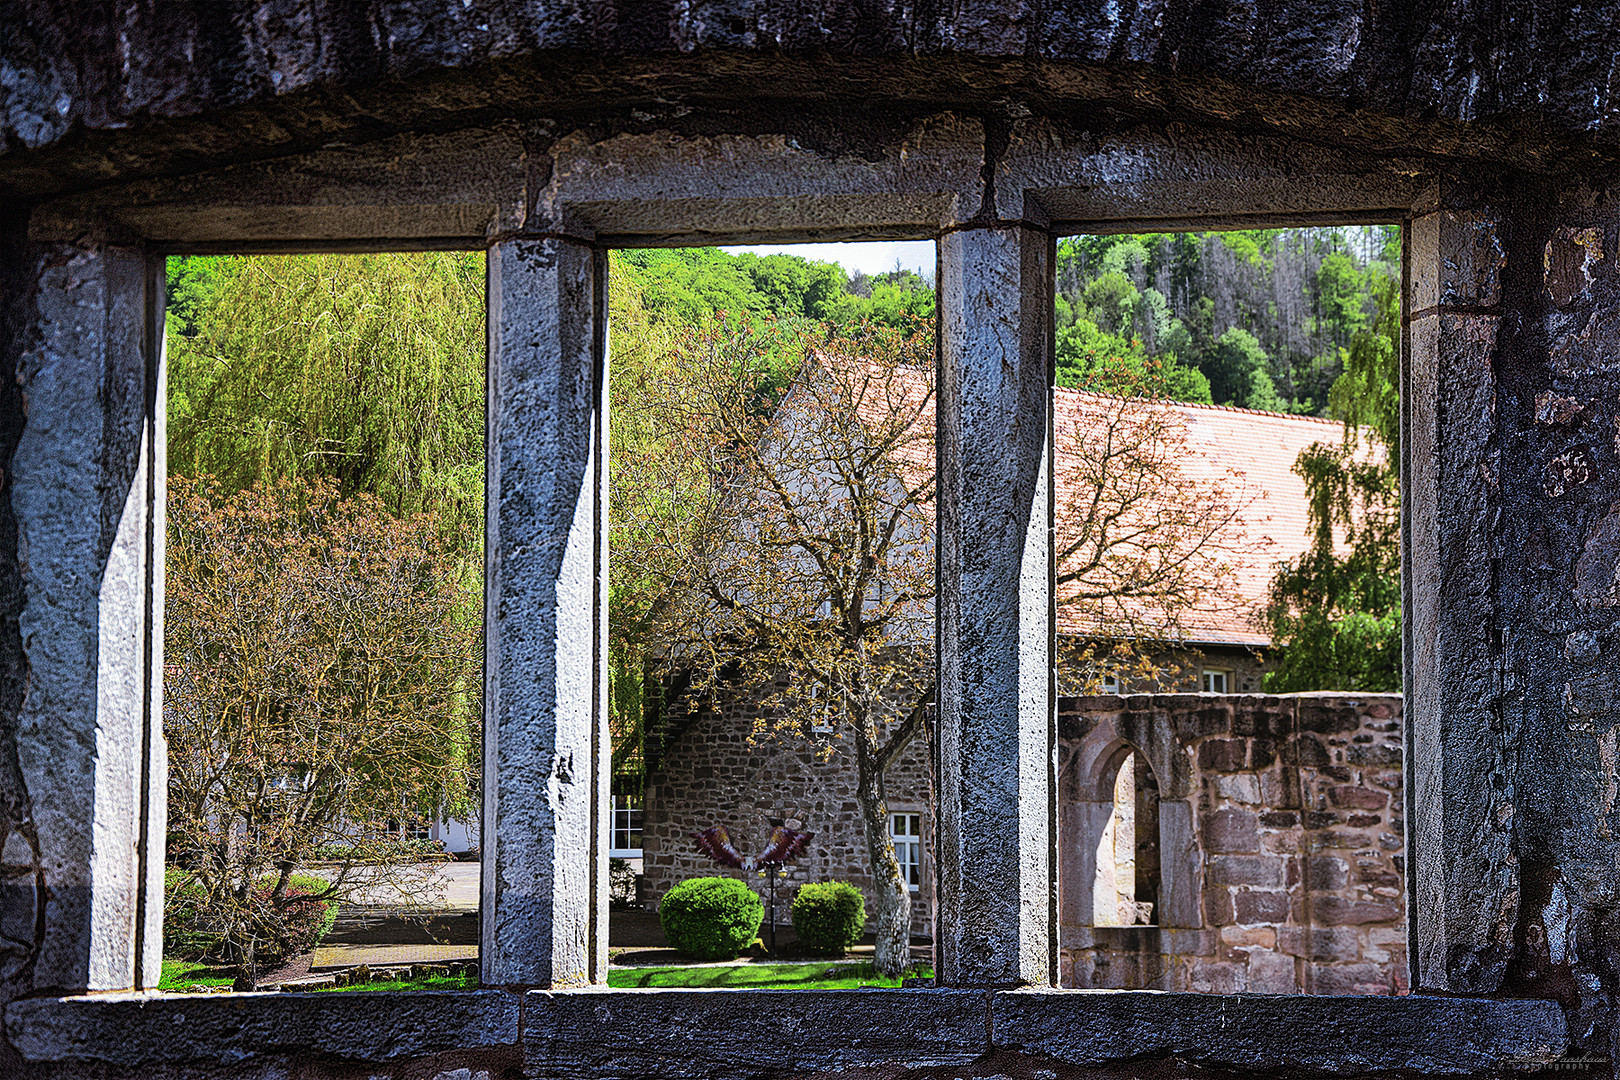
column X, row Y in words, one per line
column 870, row 257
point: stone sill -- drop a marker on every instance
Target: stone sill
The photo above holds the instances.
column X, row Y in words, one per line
column 702, row 1033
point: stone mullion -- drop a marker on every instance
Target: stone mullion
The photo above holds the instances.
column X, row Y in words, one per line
column 81, row 853
column 546, row 761
column 995, row 839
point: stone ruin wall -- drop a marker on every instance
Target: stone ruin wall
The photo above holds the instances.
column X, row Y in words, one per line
column 715, row 772
column 1296, row 855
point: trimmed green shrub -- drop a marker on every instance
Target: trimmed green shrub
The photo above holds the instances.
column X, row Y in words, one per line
column 711, row 918
column 194, row 928
column 828, row 918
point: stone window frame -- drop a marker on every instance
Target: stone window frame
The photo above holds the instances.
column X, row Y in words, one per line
column 994, row 193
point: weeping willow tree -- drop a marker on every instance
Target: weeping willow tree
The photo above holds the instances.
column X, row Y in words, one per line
column 354, row 385
column 366, row 370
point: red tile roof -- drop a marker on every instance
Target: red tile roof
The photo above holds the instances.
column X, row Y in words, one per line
column 1248, row 456
column 1245, row 455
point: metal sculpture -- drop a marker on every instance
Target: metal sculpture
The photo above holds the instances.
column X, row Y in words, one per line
column 784, row 846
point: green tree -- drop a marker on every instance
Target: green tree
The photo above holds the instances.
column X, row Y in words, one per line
column 1237, row 373
column 367, row 369
column 1335, row 614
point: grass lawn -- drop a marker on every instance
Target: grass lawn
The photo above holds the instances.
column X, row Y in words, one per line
column 432, row 982
column 831, row 975
column 181, row 974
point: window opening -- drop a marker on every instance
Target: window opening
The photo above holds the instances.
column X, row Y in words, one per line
column 772, row 526
column 1225, row 522
column 906, row 831
column 323, row 628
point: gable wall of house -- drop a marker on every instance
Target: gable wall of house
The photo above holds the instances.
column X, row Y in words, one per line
column 717, row 772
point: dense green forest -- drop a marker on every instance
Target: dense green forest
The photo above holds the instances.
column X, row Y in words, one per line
column 1260, row 319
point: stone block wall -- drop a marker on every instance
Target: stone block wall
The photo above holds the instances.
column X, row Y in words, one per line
column 716, row 772
column 1291, row 876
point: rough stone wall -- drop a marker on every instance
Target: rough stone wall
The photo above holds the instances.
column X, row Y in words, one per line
column 1297, row 843
column 95, row 92
column 714, row 774
column 1513, row 511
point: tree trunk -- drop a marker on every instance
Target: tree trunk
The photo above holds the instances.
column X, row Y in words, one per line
column 893, row 922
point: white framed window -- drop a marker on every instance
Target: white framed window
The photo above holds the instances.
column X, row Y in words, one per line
column 625, row 841
column 1110, row 684
column 1216, row 680
column 906, row 832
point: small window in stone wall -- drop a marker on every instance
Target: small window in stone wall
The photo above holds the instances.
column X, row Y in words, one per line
column 906, row 832
column 1216, row 680
column 626, row 839
column 1128, row 851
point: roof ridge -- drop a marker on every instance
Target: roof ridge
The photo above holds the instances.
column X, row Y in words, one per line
column 1077, row 392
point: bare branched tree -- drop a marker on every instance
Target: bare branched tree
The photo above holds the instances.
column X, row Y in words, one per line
column 321, row 689
column 1147, row 543
column 788, row 519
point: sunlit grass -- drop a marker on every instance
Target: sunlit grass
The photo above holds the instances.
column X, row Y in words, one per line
column 183, row 974
column 836, row 975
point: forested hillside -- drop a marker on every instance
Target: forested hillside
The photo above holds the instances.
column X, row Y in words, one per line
column 1259, row 318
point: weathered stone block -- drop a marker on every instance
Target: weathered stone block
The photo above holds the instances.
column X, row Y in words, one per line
column 1348, row 796
column 1261, row 870
column 1327, row 872
column 1232, row 830
column 1261, row 937
column 1223, row 755
column 1320, row 944
column 1338, row 911
column 1471, row 260
column 1257, row 907
column 703, row 1033
column 147, row 1030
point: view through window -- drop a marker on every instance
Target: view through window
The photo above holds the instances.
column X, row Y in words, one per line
column 323, row 631
column 772, row 622
column 1226, row 522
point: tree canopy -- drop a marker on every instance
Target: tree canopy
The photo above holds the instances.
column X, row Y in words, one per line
column 1257, row 318
column 1335, row 613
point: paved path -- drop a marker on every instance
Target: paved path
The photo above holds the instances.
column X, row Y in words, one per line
column 450, row 887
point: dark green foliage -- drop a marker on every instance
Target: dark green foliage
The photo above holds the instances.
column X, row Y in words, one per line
column 711, row 918
column 283, row 926
column 828, row 917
